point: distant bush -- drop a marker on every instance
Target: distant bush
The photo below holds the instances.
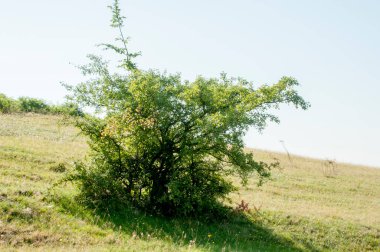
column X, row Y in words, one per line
column 67, row 109
column 28, row 104
column 8, row 105
column 5, row 104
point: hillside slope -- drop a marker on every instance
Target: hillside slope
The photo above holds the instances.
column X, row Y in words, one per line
column 309, row 205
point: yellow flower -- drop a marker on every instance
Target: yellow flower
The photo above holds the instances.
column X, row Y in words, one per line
column 209, row 235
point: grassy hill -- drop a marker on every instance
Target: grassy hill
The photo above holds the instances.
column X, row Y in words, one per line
column 309, row 205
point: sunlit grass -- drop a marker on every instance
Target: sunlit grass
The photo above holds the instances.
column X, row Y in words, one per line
column 303, row 208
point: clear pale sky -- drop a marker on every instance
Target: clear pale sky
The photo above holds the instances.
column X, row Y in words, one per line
column 331, row 47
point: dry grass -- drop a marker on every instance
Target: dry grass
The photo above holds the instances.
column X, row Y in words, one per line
column 303, row 189
column 303, row 208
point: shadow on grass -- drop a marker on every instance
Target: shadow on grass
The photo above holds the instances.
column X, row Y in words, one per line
column 236, row 232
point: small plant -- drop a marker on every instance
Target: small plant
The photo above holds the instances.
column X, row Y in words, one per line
column 61, row 167
column 288, row 154
column 257, row 209
column 242, row 206
column 27, row 193
column 329, row 168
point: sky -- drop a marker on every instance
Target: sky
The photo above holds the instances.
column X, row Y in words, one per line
column 330, row 47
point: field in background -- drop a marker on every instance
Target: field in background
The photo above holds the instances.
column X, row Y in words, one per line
column 308, row 205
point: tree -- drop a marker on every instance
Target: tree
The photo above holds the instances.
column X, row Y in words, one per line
column 165, row 144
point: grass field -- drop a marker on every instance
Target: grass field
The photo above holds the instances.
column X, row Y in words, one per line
column 308, row 205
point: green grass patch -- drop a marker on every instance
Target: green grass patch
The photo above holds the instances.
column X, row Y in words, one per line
column 300, row 209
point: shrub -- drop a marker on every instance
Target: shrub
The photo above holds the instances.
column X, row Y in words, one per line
column 28, row 104
column 8, row 105
column 5, row 104
column 70, row 109
column 165, row 144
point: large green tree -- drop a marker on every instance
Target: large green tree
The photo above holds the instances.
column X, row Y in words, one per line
column 166, row 144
